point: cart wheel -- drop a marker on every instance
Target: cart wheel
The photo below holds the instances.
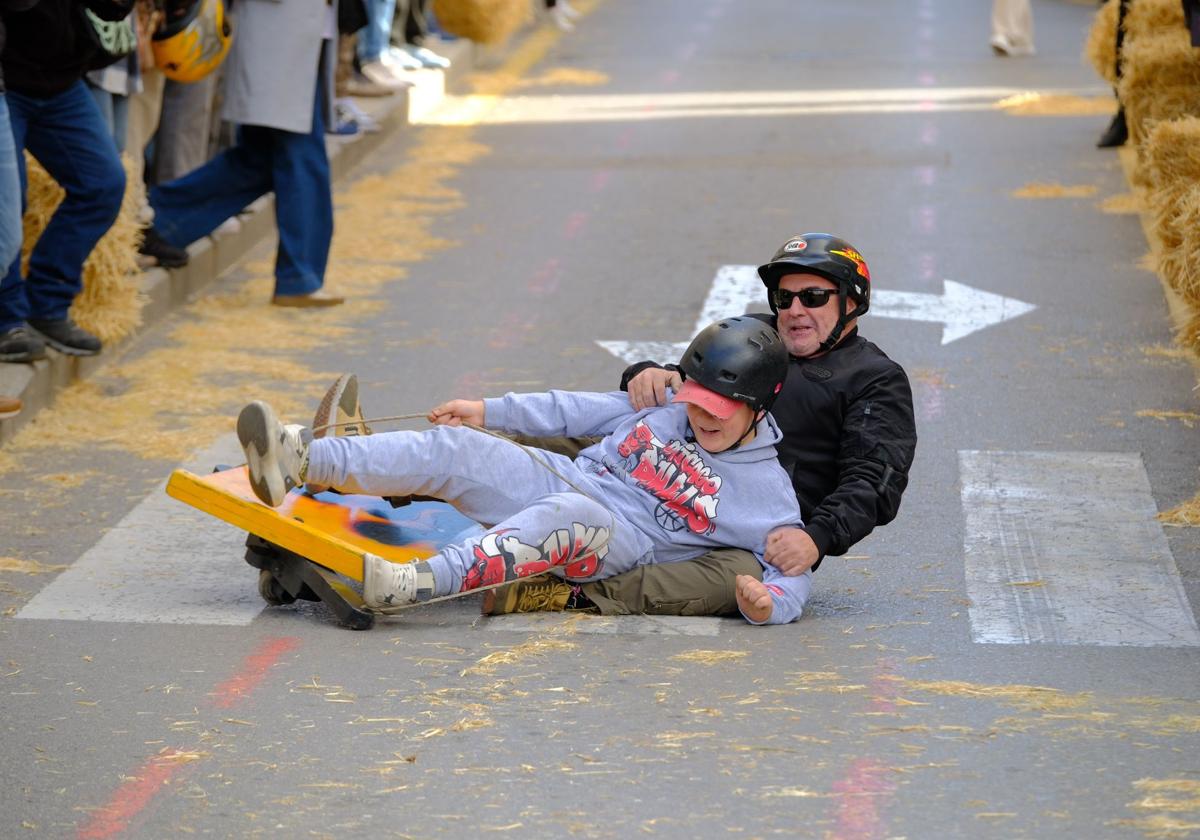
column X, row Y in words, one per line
column 272, row 591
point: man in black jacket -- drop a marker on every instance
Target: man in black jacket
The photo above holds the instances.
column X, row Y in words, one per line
column 849, row 437
column 54, row 116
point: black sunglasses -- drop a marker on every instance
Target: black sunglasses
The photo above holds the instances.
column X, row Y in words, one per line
column 811, row 298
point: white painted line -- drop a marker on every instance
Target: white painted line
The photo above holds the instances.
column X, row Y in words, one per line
column 475, row 109
column 1063, row 548
column 606, row 625
column 164, row 563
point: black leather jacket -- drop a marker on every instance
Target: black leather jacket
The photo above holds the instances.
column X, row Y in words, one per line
column 47, row 49
column 849, row 436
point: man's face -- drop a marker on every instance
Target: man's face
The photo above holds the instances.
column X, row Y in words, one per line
column 715, row 434
column 803, row 329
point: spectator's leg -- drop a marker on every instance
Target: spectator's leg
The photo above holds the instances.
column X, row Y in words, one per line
column 182, row 141
column 14, row 305
column 193, row 206
column 416, row 28
column 303, row 206
column 71, row 141
column 704, row 586
column 374, row 38
column 10, row 191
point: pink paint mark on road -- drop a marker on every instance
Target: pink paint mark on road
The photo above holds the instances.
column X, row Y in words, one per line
column 669, row 78
column 575, row 223
column 625, row 140
column 925, row 219
column 927, row 266
column 132, row 797
column 929, row 134
column 863, row 794
column 926, row 79
column 253, row 671
column 930, row 390
column 545, row 281
column 600, row 180
column 925, row 175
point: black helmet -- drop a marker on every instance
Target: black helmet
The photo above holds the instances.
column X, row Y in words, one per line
column 832, row 258
column 739, row 358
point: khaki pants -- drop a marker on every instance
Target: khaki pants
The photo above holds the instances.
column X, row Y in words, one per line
column 704, row 586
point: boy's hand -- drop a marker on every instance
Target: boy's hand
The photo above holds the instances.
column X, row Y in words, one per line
column 753, row 599
column 457, row 412
column 791, row 551
column 649, row 388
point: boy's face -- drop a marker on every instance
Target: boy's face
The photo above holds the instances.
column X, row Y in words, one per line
column 715, row 434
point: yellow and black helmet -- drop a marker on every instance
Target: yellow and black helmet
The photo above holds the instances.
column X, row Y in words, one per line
column 193, row 40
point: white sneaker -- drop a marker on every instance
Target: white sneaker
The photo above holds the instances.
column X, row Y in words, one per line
column 569, row 10
column 398, row 59
column 1003, row 45
column 427, row 57
column 561, row 19
column 388, row 585
column 277, row 455
column 382, row 74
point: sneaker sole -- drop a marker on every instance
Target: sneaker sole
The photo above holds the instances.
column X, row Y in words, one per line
column 66, row 349
column 253, row 433
column 22, row 357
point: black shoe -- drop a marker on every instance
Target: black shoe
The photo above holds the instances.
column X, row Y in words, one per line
column 162, row 251
column 20, row 344
column 66, row 336
column 1116, row 134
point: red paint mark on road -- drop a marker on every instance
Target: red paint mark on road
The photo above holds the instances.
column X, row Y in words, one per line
column 253, row 669
column 132, row 797
column 576, row 222
column 545, row 282
column 866, row 789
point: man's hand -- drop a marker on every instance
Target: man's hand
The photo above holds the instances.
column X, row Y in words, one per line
column 791, row 551
column 457, row 412
column 753, row 598
column 649, row 388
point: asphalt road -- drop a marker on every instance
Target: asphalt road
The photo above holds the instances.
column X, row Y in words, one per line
column 1015, row 656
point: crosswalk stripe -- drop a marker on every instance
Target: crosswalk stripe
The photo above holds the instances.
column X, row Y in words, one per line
column 1063, row 548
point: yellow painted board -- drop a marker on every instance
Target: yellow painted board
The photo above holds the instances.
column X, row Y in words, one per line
column 276, row 525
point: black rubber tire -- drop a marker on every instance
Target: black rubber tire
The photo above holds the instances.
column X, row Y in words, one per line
column 272, row 591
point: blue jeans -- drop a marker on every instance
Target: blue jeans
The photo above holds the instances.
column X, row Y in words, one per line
column 376, row 36
column 114, row 109
column 263, row 159
column 67, row 136
column 10, row 191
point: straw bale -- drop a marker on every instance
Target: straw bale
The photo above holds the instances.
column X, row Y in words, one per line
column 484, row 21
column 1101, row 47
column 1148, row 18
column 110, row 305
column 1160, row 81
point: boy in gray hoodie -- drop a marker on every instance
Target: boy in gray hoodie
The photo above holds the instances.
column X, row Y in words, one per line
column 664, row 484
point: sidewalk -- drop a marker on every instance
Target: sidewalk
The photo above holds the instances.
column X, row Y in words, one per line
column 38, row 384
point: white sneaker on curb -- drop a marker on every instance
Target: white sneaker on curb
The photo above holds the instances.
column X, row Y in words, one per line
column 427, row 57
column 388, row 585
column 398, row 59
column 277, row 455
column 381, row 73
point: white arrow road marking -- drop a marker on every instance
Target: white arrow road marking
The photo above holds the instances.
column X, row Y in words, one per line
column 736, row 288
column 962, row 309
column 1063, row 548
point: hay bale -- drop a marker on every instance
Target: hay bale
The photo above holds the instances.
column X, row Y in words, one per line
column 110, row 305
column 1101, row 47
column 483, row 21
column 1160, row 80
column 1147, row 18
column 1179, row 263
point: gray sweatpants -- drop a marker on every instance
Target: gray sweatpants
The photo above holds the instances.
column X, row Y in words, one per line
column 537, row 522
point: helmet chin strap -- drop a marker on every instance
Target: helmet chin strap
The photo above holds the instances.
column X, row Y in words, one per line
column 835, row 335
column 754, row 421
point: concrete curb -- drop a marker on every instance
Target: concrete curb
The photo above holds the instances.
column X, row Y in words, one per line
column 38, row 384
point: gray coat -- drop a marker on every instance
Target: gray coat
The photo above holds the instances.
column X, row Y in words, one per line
column 272, row 69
